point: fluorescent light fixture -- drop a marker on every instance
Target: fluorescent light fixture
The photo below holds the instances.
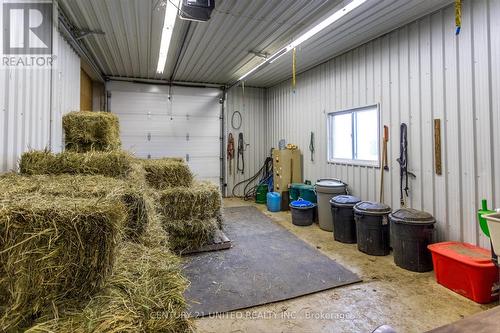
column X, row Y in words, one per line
column 166, row 33
column 308, row 34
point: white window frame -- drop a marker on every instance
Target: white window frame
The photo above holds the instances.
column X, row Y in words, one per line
column 329, row 149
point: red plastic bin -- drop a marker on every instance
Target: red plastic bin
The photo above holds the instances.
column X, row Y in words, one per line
column 466, row 269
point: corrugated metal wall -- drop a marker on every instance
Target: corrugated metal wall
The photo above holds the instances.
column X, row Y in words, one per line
column 25, row 104
column 251, row 104
column 417, row 73
column 66, row 92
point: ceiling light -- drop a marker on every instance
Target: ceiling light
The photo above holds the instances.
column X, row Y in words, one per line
column 166, row 33
column 308, row 34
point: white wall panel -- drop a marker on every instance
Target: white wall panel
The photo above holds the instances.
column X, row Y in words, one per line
column 32, row 102
column 251, row 104
column 417, row 73
column 66, row 90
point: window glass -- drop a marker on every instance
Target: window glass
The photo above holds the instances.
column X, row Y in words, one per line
column 353, row 136
column 367, row 135
column 342, row 136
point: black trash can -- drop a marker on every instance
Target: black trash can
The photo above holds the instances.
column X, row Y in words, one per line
column 344, row 226
column 411, row 231
column 302, row 212
column 372, row 227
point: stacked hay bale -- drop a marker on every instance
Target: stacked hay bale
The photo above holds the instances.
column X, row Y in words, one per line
column 81, row 247
column 116, row 164
column 87, row 131
column 190, row 212
column 53, row 249
column 134, row 199
column 144, row 294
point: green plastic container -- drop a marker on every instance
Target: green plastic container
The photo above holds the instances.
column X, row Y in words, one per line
column 261, row 193
column 307, row 192
column 304, row 191
column 295, row 191
column 482, row 221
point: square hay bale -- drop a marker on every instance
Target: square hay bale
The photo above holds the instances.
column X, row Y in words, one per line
column 85, row 131
column 54, row 249
column 167, row 172
column 144, row 294
column 137, row 202
column 154, row 234
column 117, row 164
column 186, row 235
column 201, row 201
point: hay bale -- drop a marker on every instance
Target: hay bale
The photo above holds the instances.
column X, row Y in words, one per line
column 85, row 131
column 185, row 235
column 54, row 249
column 154, row 234
column 190, row 215
column 167, row 172
column 144, row 294
column 201, row 201
column 117, row 164
column 132, row 196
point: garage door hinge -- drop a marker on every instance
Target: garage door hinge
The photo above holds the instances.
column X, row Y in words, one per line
column 187, row 136
column 187, row 157
column 149, row 136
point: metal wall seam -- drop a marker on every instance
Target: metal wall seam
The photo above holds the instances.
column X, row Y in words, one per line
column 417, row 73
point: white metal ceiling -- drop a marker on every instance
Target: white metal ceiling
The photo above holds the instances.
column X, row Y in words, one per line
column 218, row 51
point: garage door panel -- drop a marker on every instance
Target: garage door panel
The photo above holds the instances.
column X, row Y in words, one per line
column 201, row 166
column 166, row 146
column 187, row 126
column 200, row 126
column 129, row 102
column 194, row 107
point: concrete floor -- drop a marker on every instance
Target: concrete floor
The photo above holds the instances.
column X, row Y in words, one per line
column 409, row 302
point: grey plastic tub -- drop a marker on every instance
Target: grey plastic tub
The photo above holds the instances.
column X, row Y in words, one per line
column 326, row 189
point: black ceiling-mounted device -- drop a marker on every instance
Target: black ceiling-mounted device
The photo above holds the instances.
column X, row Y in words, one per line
column 197, row 10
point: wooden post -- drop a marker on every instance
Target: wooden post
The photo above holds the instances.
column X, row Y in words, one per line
column 437, row 146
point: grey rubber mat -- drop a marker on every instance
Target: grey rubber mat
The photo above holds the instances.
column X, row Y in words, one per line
column 266, row 264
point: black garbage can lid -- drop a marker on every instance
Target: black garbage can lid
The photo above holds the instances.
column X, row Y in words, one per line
column 344, row 201
column 371, row 208
column 411, row 216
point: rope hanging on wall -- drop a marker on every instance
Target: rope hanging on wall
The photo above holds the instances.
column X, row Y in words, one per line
column 311, row 146
column 458, row 16
column 230, row 152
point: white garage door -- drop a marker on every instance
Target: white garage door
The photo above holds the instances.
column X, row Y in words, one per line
column 187, row 126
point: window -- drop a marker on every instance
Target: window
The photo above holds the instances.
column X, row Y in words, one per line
column 353, row 136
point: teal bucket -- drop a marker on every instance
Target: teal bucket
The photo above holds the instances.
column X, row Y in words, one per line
column 307, row 192
column 294, row 191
